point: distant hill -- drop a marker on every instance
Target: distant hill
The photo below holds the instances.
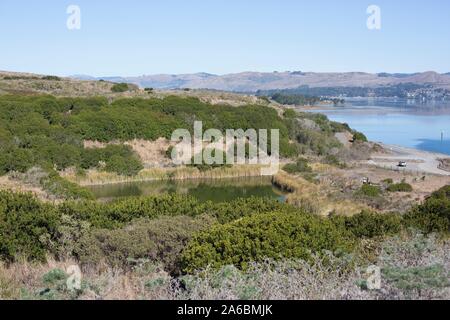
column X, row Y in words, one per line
column 87, row 86
column 254, row 81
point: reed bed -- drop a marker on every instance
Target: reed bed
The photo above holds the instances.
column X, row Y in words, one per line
column 94, row 177
column 315, row 198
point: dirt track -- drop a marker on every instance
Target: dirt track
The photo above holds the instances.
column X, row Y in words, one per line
column 417, row 161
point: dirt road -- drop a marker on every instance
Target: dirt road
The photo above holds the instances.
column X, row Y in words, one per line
column 416, row 160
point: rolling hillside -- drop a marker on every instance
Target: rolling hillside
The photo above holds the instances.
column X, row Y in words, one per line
column 254, row 81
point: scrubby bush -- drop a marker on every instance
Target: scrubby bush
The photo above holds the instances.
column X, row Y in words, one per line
column 316, row 141
column 400, row 187
column 290, row 113
column 433, row 215
column 54, row 185
column 117, row 158
column 120, row 87
column 121, row 212
column 358, row 136
column 416, row 267
column 229, row 211
column 15, row 159
column 27, row 226
column 63, row 188
column 334, row 160
column 300, row 166
column 412, row 268
column 124, row 166
column 295, row 99
column 370, row 225
column 51, row 78
column 160, row 240
column 368, row 190
column 257, row 237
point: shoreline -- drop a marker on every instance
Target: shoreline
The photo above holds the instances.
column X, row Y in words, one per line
column 417, row 160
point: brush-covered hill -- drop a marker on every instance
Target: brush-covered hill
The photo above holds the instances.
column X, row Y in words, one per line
column 31, row 84
column 254, row 81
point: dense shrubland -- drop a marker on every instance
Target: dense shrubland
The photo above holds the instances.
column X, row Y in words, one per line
column 49, row 133
column 246, row 245
column 413, row 266
column 295, row 99
column 44, row 129
column 289, row 235
column 238, row 233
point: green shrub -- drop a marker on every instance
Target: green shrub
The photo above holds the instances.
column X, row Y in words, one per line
column 333, row 160
column 433, row 215
column 27, row 227
column 160, row 240
column 118, row 158
column 370, row 225
column 275, row 235
column 388, row 181
column 54, row 276
column 295, row 99
column 63, row 188
column 120, row 87
column 124, row 166
column 358, row 136
column 290, row 113
column 51, row 78
column 15, row 159
column 122, row 211
column 369, row 191
column 400, row 187
column 417, row 278
column 316, row 141
column 229, row 211
column 300, row 166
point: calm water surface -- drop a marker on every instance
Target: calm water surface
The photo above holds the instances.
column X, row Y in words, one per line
column 400, row 122
column 217, row 190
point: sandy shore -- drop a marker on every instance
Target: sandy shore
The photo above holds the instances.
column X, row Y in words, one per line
column 416, row 160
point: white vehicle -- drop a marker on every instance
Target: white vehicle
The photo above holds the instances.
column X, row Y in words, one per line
column 402, row 164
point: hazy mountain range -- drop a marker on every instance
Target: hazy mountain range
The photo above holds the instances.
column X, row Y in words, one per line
column 254, row 81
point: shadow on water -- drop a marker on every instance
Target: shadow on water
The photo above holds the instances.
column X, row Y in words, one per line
column 216, row 190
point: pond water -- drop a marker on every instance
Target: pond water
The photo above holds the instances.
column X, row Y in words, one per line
column 424, row 126
column 216, row 190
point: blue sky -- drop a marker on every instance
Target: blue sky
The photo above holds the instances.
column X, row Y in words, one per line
column 137, row 37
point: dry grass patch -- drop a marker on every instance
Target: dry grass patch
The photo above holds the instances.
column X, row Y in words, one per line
column 95, row 177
